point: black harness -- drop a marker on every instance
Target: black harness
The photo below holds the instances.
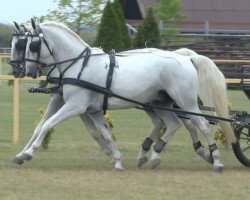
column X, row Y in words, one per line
column 35, row 47
column 78, row 82
column 109, row 80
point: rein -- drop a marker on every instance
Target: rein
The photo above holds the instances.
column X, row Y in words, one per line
column 45, row 65
column 109, row 93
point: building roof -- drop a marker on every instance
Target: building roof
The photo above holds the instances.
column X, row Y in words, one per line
column 215, row 14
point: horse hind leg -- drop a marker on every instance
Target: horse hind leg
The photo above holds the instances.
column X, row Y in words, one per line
column 202, row 125
column 198, row 147
column 188, row 102
column 90, row 125
column 146, row 145
column 172, row 123
column 100, row 122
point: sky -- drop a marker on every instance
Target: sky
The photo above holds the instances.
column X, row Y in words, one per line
column 22, row 11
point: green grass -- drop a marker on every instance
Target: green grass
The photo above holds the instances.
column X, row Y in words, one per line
column 74, row 167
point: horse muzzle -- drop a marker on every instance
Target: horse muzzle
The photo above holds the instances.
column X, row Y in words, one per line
column 32, row 73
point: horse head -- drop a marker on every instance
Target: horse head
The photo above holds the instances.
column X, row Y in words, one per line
column 38, row 52
column 52, row 43
column 18, row 47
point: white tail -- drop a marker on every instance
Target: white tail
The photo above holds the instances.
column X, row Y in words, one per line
column 185, row 52
column 213, row 91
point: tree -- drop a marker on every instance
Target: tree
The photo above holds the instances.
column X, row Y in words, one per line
column 169, row 10
column 148, row 32
column 109, row 33
column 74, row 13
column 124, row 30
column 5, row 35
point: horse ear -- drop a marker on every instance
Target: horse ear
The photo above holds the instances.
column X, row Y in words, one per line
column 16, row 26
column 33, row 23
column 37, row 20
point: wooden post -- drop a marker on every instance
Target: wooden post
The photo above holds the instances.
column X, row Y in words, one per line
column 16, row 111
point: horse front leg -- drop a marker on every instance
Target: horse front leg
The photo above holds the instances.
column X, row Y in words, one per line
column 54, row 105
column 65, row 112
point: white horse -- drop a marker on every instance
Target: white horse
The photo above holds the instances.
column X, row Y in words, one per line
column 93, row 122
column 17, row 57
column 18, row 47
column 162, row 56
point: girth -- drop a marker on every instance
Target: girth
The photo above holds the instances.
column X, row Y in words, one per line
column 109, row 80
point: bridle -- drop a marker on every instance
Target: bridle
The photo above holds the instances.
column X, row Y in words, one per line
column 20, row 47
column 35, row 47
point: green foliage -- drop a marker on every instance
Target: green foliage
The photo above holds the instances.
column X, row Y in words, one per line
column 5, row 35
column 126, row 41
column 219, row 136
column 10, row 82
column 148, row 32
column 110, row 122
column 77, row 12
column 169, row 10
column 109, row 34
column 46, row 140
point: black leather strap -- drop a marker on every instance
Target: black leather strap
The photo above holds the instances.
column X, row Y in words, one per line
column 109, row 80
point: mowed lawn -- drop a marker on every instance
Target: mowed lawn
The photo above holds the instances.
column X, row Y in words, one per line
column 74, row 167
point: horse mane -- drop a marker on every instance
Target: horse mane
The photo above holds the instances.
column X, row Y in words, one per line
column 65, row 28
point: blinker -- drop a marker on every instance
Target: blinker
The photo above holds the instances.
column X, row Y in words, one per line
column 21, row 44
column 35, row 46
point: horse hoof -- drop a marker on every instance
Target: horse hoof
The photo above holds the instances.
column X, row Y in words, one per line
column 118, row 169
column 17, row 160
column 155, row 163
column 218, row 168
column 26, row 156
column 142, row 161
